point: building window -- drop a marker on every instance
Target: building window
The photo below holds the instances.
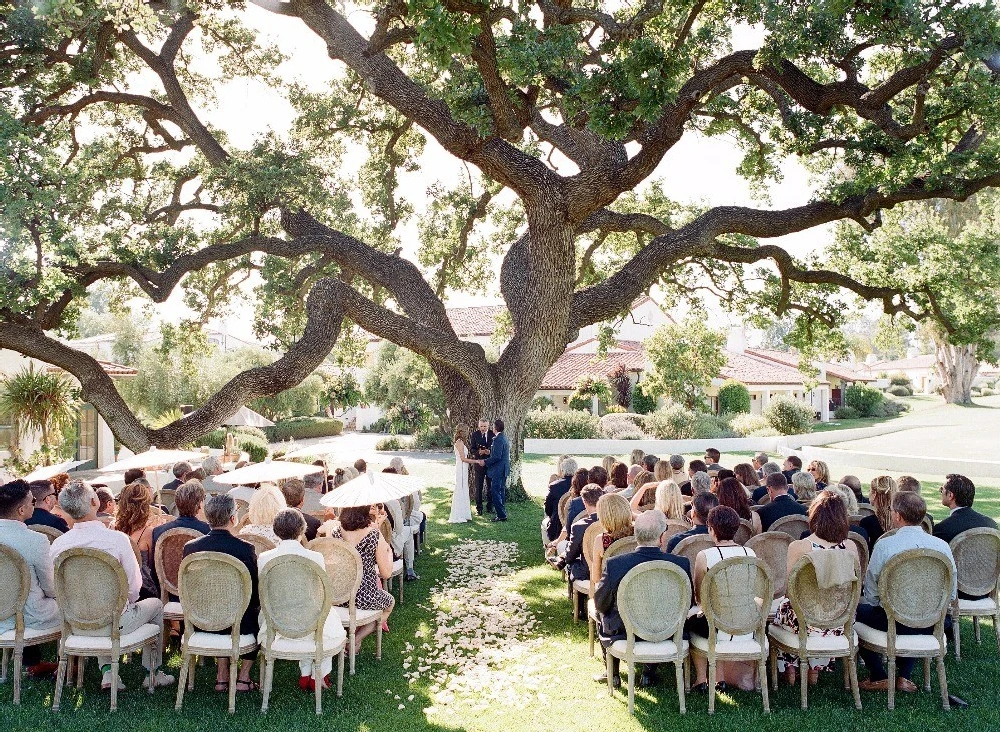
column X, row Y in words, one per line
column 86, row 448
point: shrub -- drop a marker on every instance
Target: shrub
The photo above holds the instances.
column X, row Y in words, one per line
column 677, row 423
column 789, row 416
column 254, row 446
column 252, row 431
column 986, row 391
column 641, row 403
column 746, row 425
column 622, row 427
column 300, row 428
column 541, row 402
column 897, row 390
column 390, row 444
column 864, row 398
column 901, row 380
column 215, row 439
column 431, row 440
column 734, row 398
column 890, row 408
column 615, row 409
column 847, row 413
column 553, row 424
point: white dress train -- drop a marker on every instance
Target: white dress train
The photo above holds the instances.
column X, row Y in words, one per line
column 461, row 509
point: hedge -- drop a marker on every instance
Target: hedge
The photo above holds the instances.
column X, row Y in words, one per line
column 847, row 413
column 555, row 425
column 789, row 416
column 864, row 398
column 676, row 423
column 734, row 398
column 301, row 428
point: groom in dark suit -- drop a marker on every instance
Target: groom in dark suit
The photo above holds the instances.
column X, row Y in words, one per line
column 481, row 441
column 498, row 470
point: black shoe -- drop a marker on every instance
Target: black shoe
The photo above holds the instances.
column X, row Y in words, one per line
column 498, row 519
column 647, row 680
column 411, row 576
column 701, row 688
column 616, row 681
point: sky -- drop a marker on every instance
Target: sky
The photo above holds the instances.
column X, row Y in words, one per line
column 697, row 170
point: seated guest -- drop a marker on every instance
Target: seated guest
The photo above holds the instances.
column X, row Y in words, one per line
column 650, row 533
column 290, row 527
column 80, row 501
column 704, row 502
column 957, row 495
column 645, row 485
column 58, row 482
column 854, row 483
column 212, row 466
column 793, row 464
column 264, row 506
column 695, row 466
column 40, row 610
column 179, row 470
column 636, row 456
column 731, row 493
column 220, row 511
column 804, row 486
column 829, row 527
column 769, row 468
column 607, row 462
column 700, row 483
column 108, row 505
column 781, row 503
column 315, row 486
column 723, row 523
column 712, row 457
column 747, row 477
column 294, row 491
column 556, row 491
column 190, row 502
column 719, row 475
column 574, row 557
column 615, row 516
column 907, row 511
column 820, row 473
column 573, row 507
column 759, row 461
column 403, row 544
column 634, row 470
column 361, row 466
column 598, row 476
column 359, row 528
column 850, row 505
column 136, row 518
column 883, row 488
column 45, row 501
column 677, row 473
column 134, row 474
column 669, row 501
column 197, row 474
column 649, row 462
column 908, row 483
column 662, row 471
column 618, row 477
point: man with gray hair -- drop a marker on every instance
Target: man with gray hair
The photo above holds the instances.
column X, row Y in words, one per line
column 677, row 469
column 700, row 483
column 759, row 461
column 212, row 466
column 179, row 470
column 768, row 468
column 80, row 502
column 650, row 533
column 551, row 524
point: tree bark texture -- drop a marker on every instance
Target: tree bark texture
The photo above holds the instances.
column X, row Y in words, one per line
column 957, row 367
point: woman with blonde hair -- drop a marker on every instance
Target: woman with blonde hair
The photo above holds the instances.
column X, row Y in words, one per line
column 820, row 472
column 136, row 518
column 266, row 503
column 461, row 506
column 615, row 516
column 608, row 462
column 669, row 500
column 662, row 471
column 804, row 486
column 397, row 464
column 635, row 458
column 883, row 488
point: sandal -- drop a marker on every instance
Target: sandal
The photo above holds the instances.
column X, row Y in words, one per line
column 221, row 686
column 250, row 686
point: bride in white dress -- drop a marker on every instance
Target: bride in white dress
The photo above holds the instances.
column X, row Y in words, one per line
column 461, row 508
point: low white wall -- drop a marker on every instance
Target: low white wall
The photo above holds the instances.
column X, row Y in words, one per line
column 655, row 447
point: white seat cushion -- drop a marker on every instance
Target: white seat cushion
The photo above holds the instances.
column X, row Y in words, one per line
column 645, row 652
column 591, row 609
column 743, row 646
column 173, row 610
column 582, row 586
column 775, row 604
column 89, row 643
column 813, row 642
column 219, row 642
column 362, row 617
column 879, row 638
column 397, row 566
column 31, row 634
column 332, row 645
column 985, row 606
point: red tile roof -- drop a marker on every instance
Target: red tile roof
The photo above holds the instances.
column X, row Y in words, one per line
column 925, row 361
column 110, row 368
column 570, row 366
column 752, row 369
column 480, row 320
column 837, row 370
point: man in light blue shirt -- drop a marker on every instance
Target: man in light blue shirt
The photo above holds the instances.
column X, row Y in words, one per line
column 908, row 510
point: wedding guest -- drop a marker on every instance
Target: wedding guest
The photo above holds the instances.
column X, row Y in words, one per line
column 267, row 501
column 820, row 473
column 747, row 477
column 731, row 493
column 957, row 495
column 804, row 486
column 781, row 504
column 854, row 483
column 702, row 505
column 294, row 491
column 881, row 492
column 45, row 501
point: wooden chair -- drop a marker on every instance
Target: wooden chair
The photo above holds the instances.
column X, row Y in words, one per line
column 764, row 500
column 865, row 509
column 675, row 527
column 168, row 500
column 862, row 544
column 586, row 586
column 927, row 523
column 296, row 597
column 343, row 565
column 621, row 546
column 580, row 515
column 744, row 533
column 819, row 608
column 92, row 592
column 242, row 509
column 692, row 545
column 795, row 526
column 50, row 532
column 653, row 601
column 977, row 557
column 733, row 597
column 259, row 543
column 167, row 556
column 563, row 510
column 215, row 592
column 397, row 564
column 772, row 547
column 914, row 589
column 15, row 584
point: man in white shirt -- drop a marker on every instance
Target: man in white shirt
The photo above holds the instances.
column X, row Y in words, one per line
column 290, row 528
column 908, row 510
column 81, row 503
column 17, row 502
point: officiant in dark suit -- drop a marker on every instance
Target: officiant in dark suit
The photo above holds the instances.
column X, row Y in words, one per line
column 480, row 443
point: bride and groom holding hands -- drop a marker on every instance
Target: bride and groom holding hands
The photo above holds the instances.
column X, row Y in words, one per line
column 488, row 452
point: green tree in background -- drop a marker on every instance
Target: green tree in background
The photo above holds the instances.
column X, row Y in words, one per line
column 36, row 401
column 685, row 358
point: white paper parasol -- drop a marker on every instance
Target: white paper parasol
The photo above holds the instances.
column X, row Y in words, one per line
column 153, row 458
column 267, row 472
column 370, row 488
column 47, row 471
column 320, row 448
column 246, row 417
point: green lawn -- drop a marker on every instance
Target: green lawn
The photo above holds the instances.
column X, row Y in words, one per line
column 557, row 693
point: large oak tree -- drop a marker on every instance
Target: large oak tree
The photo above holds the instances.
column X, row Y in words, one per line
column 559, row 109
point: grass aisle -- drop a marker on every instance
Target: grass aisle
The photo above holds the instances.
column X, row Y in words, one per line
column 497, row 628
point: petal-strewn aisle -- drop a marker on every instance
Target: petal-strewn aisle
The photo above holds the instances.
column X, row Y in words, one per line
column 483, row 646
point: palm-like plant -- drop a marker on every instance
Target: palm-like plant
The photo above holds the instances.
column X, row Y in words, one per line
column 34, row 400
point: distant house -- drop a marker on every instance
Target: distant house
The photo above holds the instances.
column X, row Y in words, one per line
column 580, row 359
column 921, row 369
column 102, row 345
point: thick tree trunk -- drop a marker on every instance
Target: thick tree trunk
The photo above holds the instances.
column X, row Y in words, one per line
column 957, row 367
